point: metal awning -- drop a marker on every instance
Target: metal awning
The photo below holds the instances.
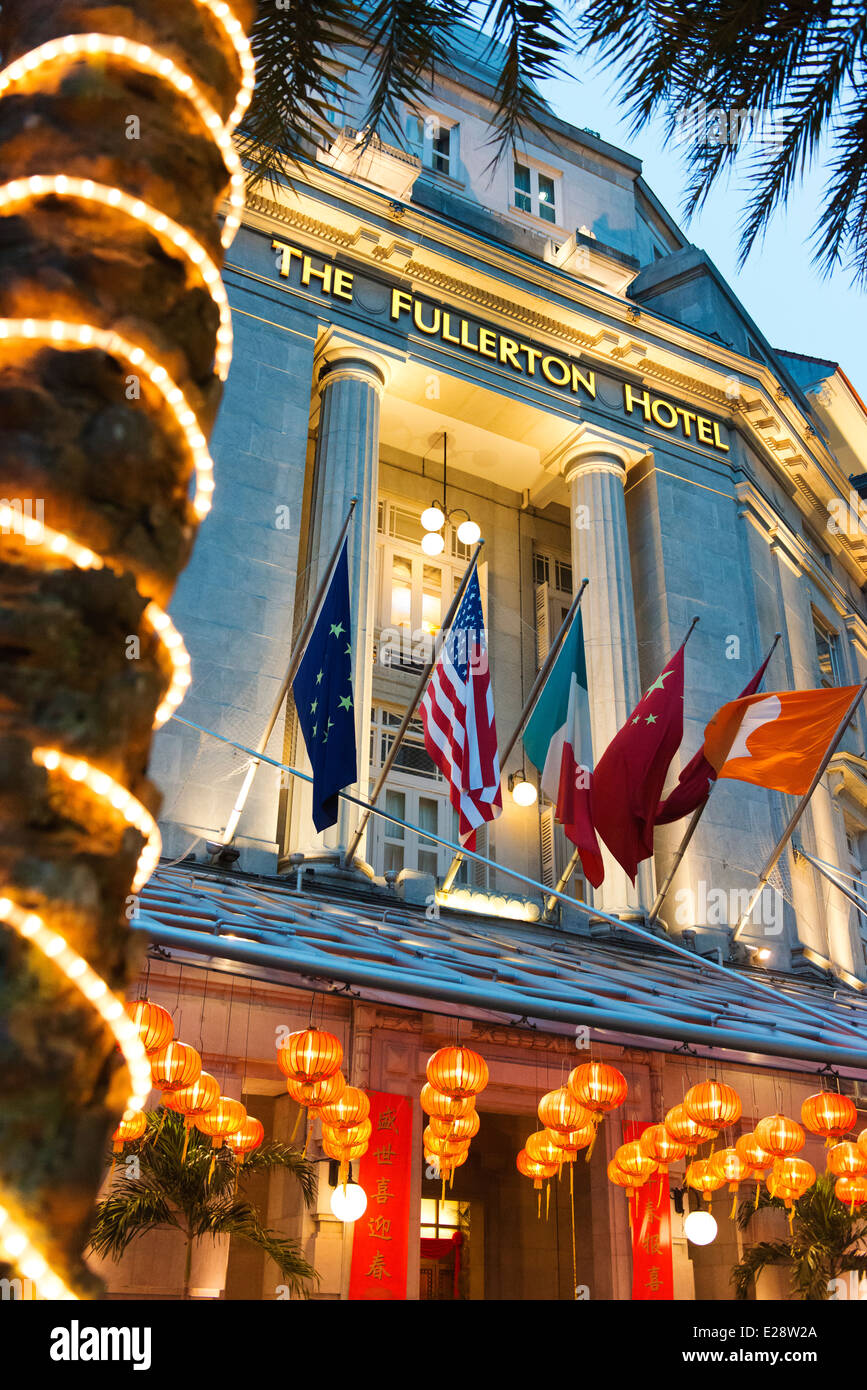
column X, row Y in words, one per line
column 391, row 951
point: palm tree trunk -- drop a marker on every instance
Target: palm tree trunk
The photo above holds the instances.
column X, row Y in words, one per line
column 188, row 1265
column 90, row 443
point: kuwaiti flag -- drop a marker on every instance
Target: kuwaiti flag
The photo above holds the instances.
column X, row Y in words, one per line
column 557, row 741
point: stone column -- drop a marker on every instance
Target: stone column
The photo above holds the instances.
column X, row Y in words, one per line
column 351, row 383
column 596, row 473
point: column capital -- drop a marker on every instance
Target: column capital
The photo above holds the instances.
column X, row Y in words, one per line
column 348, row 363
column 589, row 452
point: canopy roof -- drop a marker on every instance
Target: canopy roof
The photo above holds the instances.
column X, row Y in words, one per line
column 488, row 968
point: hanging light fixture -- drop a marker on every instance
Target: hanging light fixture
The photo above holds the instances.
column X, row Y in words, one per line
column 434, row 518
column 700, row 1227
column 349, row 1202
column 523, row 792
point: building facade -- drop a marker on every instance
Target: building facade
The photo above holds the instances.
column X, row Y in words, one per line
column 534, row 345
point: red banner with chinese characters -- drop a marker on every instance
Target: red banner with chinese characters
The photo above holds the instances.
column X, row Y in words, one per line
column 380, row 1244
column 652, row 1272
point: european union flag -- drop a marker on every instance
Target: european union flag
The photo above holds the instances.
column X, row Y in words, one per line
column 323, row 699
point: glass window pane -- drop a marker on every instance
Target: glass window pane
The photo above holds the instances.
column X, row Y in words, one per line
column 401, row 591
column 428, row 1232
column 427, row 862
column 441, row 148
column 428, row 811
column 564, row 577
column 415, row 133
column 547, row 208
column 431, row 599
column 429, row 1210
column 395, row 805
column 522, row 178
column 393, row 858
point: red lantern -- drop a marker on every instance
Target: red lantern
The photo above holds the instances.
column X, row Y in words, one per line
column 132, row 1126
column 829, row 1114
column 446, row 1166
column 467, row 1127
column 433, row 1102
column 728, row 1165
column 561, row 1111
column 443, row 1148
column 316, row 1093
column 598, row 1086
column 861, row 1141
column 155, row 1026
column 656, row 1143
column 617, row 1176
column 851, row 1191
column 539, row 1172
column 701, row 1176
column 226, row 1117
column 634, row 1162
column 310, row 1055
column 200, row 1096
column 685, row 1130
column 575, row 1139
column 244, row 1140
column 174, row 1066
column 846, row 1160
column 348, row 1134
column 351, row 1107
column 457, row 1072
column 542, row 1149
column 343, row 1153
column 713, row 1104
column 780, row 1136
column 789, row 1178
column 752, row 1153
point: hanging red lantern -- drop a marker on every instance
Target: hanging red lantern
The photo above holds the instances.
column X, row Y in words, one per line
column 851, row 1191
column 433, row 1102
column 846, row 1160
column 573, row 1139
column 443, row 1148
column 728, row 1165
column 685, row 1130
column 561, row 1111
column 629, row 1183
column 466, row 1127
column 154, row 1024
column 597, row 1086
column 316, row 1093
column 351, row 1107
column 310, row 1055
column 780, row 1136
column 632, row 1160
column 713, row 1104
column 457, row 1072
column 344, row 1154
column 861, row 1141
column 132, row 1126
column 542, row 1149
column 829, row 1114
column 789, row 1179
column 174, row 1066
column 656, row 1143
column 752, row 1153
column 226, row 1117
column 701, row 1177
column 191, row 1101
column 446, row 1166
column 244, row 1140
column 348, row 1134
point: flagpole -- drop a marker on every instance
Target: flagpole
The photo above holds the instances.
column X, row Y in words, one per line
column 291, row 671
column 405, row 722
column 529, row 705
column 690, row 831
column 551, row 902
column 799, row 810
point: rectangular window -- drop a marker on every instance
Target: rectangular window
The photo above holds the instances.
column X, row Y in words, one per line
column 535, row 192
column 434, row 141
column 828, row 653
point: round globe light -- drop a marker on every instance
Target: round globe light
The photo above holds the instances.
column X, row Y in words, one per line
column 523, row 793
column 350, row 1202
column 468, row 532
column 700, row 1227
column 432, row 543
column 432, row 518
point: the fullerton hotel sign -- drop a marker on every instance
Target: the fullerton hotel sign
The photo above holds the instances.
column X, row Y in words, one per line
column 524, row 359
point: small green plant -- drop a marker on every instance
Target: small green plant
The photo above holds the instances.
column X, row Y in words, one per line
column 173, row 1190
column 824, row 1243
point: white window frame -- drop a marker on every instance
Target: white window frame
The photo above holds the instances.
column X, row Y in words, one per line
column 433, row 125
column 536, row 171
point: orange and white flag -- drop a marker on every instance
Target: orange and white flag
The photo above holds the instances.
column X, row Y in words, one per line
column 776, row 741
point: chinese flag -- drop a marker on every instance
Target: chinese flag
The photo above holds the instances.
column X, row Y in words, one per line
column 694, row 783
column 631, row 772
column 776, row 741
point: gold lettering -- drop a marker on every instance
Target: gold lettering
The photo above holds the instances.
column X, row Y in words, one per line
column 343, row 281
column 465, row 337
column 418, row 320
column 588, row 382
column 548, row 363
column 446, row 334
column 401, row 303
column 533, row 354
column 630, row 397
column 487, row 343
column 508, row 353
column 324, row 274
column 686, row 416
column 704, row 430
column 716, row 439
column 286, row 258
column 656, row 409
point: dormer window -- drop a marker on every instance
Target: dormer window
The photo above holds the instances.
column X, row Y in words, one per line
column 535, row 191
column 435, row 141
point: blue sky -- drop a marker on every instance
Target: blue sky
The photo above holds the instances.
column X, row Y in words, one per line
column 794, row 306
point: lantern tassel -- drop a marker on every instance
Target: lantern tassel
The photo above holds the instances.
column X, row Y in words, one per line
column 574, row 1258
column 589, row 1152
column 852, row 1206
column 758, row 1190
column 159, row 1128
column 186, row 1141
column 297, row 1123
column 539, row 1203
column 213, row 1165
column 734, row 1206
column 306, row 1138
column 547, row 1199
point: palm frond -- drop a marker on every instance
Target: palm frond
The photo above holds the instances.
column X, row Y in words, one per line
column 754, row 1260
column 536, row 38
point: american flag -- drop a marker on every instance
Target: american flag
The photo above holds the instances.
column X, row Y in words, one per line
column 457, row 712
